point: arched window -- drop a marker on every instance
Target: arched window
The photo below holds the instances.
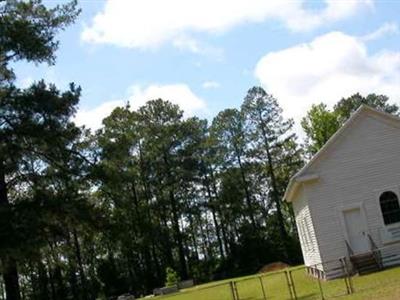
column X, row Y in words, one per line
column 390, row 207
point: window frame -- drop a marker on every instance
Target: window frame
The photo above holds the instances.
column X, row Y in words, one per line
column 395, row 193
column 304, row 233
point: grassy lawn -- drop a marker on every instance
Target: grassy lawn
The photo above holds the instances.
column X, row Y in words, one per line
column 380, row 285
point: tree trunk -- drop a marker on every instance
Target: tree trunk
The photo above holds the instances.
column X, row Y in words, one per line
column 212, row 208
column 156, row 264
column 164, row 233
column 218, row 209
column 73, row 281
column 178, row 236
column 150, row 236
column 10, row 271
column 72, row 278
column 10, row 277
column 2, row 290
column 205, row 245
column 52, row 283
column 61, row 290
column 275, row 196
column 175, row 220
column 246, row 190
column 193, row 237
column 43, row 281
column 141, row 234
column 129, row 267
column 82, row 276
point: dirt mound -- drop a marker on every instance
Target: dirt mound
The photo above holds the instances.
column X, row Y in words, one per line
column 275, row 266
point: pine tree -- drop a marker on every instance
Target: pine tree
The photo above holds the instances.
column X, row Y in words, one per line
column 274, row 144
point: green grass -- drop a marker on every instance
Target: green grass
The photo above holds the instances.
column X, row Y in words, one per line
column 381, row 285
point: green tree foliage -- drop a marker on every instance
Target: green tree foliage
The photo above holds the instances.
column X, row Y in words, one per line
column 27, row 32
column 320, row 123
column 172, row 278
column 41, row 167
column 35, row 136
column 181, row 194
column 228, row 130
column 346, row 106
column 274, row 148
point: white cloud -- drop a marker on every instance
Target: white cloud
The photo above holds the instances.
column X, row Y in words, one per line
column 179, row 94
column 330, row 67
column 150, row 23
column 137, row 96
column 385, row 29
column 188, row 43
column 210, row 84
column 93, row 117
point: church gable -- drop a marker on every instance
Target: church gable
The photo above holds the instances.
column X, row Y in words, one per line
column 360, row 139
column 370, row 140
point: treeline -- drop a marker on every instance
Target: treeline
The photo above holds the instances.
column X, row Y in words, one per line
column 85, row 215
column 205, row 200
column 90, row 215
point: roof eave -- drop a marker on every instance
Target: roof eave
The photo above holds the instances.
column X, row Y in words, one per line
column 295, row 183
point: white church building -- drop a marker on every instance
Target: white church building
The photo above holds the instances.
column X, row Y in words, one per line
column 346, row 199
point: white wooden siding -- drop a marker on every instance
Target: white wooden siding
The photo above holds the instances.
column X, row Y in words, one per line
column 361, row 164
column 306, row 231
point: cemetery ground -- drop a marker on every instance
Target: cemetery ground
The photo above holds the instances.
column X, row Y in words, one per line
column 294, row 283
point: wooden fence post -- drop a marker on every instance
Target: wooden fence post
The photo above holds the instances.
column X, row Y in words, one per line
column 320, row 288
column 293, row 286
column 235, row 294
column 288, row 284
column 262, row 288
column 232, row 290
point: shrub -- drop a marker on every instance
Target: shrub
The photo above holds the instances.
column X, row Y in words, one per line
column 172, row 278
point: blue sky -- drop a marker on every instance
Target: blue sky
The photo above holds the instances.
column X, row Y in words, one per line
column 205, row 55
